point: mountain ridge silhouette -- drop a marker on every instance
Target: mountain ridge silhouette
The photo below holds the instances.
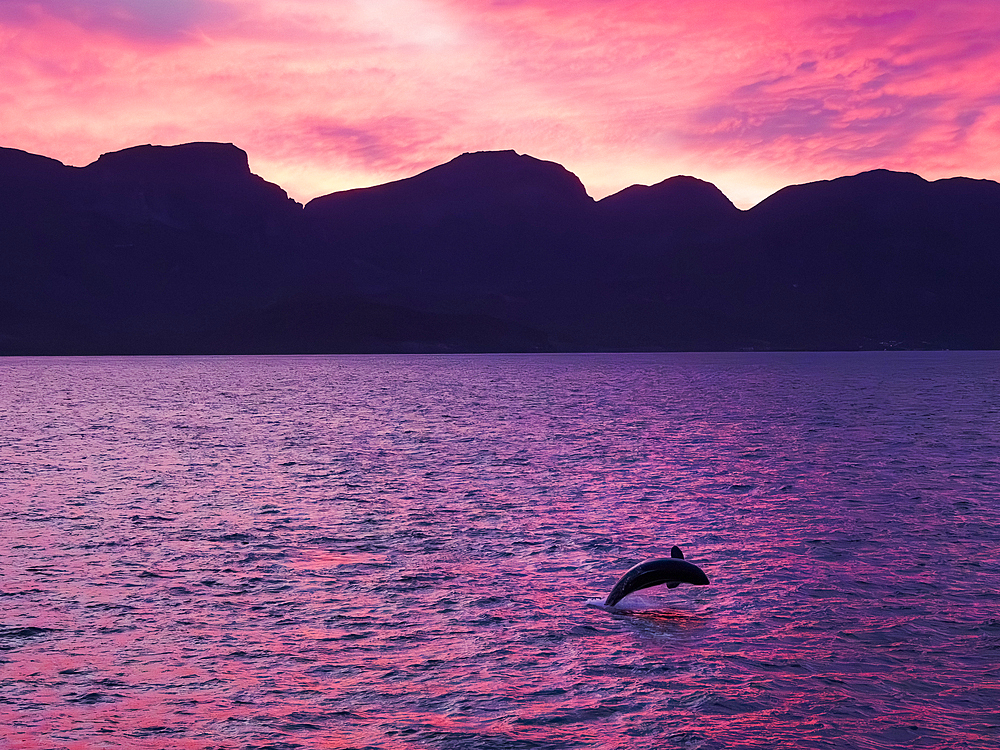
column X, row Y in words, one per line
column 183, row 250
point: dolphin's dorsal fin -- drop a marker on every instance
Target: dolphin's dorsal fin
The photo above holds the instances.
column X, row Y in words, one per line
column 675, row 551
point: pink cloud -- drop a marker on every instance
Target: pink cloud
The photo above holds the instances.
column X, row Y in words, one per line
column 324, row 96
column 139, row 19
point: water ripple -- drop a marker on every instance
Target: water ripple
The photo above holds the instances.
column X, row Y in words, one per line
column 392, row 552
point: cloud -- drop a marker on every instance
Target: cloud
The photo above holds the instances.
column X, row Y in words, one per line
column 869, row 101
column 329, row 95
column 892, row 19
column 149, row 20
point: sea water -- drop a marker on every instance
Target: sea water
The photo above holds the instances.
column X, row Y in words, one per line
column 413, row 551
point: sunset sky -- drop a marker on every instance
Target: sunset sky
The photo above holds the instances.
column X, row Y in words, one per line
column 326, row 95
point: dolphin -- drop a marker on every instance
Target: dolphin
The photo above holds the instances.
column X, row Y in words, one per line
column 673, row 571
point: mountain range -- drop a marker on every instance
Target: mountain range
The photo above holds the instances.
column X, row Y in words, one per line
column 182, row 250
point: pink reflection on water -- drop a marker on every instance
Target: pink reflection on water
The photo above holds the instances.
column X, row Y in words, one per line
column 422, row 580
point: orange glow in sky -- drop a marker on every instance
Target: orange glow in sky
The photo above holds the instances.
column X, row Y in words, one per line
column 751, row 95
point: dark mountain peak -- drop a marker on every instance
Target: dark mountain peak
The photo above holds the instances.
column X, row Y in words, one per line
column 879, row 186
column 480, row 225
column 967, row 195
column 32, row 189
column 191, row 186
column 187, row 161
column 218, row 173
column 507, row 171
column 500, row 156
column 880, row 182
column 882, row 176
column 882, row 191
column 676, row 194
column 678, row 184
column 500, row 164
column 970, row 182
column 678, row 204
column 480, row 177
column 899, row 215
column 14, row 160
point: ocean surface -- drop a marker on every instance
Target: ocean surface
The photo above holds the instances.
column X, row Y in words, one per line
column 413, row 551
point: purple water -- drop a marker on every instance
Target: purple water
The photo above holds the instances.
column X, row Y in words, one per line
column 411, row 552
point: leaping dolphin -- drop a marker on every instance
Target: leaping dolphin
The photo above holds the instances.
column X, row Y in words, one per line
column 673, row 571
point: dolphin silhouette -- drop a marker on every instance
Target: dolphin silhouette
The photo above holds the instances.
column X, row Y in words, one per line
column 673, row 571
